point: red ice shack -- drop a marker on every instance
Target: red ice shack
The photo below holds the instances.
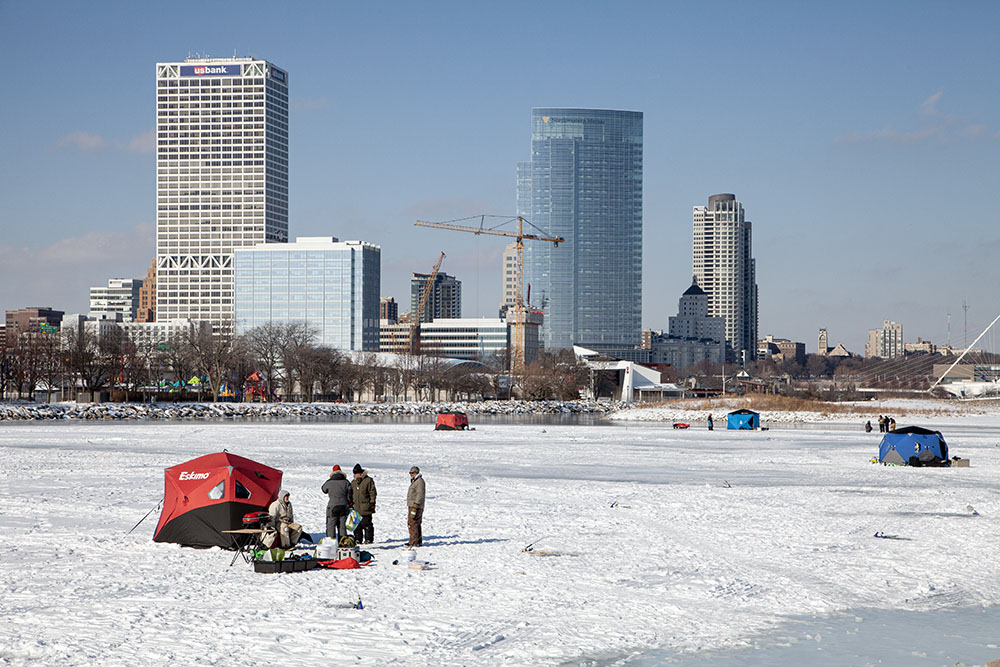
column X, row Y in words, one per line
column 451, row 421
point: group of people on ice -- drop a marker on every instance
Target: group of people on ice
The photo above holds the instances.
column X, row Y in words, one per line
column 344, row 496
column 885, row 424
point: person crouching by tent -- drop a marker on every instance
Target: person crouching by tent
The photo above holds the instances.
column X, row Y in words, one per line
column 339, row 504
column 286, row 532
column 415, row 496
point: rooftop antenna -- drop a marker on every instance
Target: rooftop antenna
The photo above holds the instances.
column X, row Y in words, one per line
column 949, row 328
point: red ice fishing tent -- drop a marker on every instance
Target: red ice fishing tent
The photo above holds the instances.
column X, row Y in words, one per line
column 451, row 421
column 210, row 494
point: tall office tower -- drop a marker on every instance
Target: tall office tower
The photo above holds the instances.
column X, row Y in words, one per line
column 508, row 278
column 120, row 296
column 584, row 183
column 331, row 286
column 146, row 312
column 725, row 268
column 445, row 299
column 221, row 178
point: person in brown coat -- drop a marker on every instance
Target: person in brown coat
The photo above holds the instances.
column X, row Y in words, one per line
column 415, row 505
column 363, row 501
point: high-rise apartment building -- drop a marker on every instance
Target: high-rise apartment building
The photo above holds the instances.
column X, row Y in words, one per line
column 885, row 343
column 584, row 183
column 388, row 310
column 725, row 269
column 508, row 278
column 121, row 295
column 221, row 178
column 445, row 299
column 331, row 286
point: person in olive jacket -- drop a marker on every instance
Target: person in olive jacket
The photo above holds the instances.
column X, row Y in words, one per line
column 338, row 506
column 415, row 504
column 364, row 493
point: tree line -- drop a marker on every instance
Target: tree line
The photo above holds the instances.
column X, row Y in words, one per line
column 285, row 358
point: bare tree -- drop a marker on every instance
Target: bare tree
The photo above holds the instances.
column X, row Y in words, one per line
column 266, row 344
column 94, row 360
column 214, row 355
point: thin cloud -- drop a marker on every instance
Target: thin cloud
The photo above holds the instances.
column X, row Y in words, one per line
column 85, row 141
column 932, row 124
column 62, row 272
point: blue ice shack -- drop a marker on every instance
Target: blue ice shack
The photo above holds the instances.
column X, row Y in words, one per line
column 913, row 445
column 743, row 420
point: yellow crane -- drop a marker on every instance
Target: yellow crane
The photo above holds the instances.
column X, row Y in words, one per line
column 413, row 341
column 520, row 312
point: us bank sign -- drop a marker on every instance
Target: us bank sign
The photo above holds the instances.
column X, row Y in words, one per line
column 211, row 70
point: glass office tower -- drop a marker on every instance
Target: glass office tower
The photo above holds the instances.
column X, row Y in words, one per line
column 584, row 183
column 332, row 286
column 221, row 178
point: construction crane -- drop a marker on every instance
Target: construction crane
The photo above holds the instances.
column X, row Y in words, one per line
column 520, row 312
column 413, row 341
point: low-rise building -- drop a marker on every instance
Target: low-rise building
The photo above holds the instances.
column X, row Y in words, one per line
column 120, row 295
column 780, row 349
column 331, row 286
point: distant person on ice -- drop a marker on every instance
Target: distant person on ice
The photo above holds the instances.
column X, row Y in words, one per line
column 711, row 424
column 892, row 424
column 286, row 532
column 868, row 426
column 415, row 504
column 338, row 506
column 363, row 500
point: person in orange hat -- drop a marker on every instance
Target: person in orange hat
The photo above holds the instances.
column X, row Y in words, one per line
column 338, row 506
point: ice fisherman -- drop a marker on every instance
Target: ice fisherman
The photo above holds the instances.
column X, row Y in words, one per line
column 286, row 532
column 415, row 496
column 339, row 504
column 711, row 424
column 363, row 501
column 892, row 424
column 868, row 426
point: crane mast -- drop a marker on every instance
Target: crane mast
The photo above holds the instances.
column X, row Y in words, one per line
column 413, row 341
column 520, row 310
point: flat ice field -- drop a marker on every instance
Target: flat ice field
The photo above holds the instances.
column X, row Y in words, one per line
column 661, row 540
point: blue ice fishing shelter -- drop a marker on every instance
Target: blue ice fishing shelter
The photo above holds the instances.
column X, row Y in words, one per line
column 743, row 420
column 913, row 445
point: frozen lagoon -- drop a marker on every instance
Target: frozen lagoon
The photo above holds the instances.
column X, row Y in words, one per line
column 671, row 544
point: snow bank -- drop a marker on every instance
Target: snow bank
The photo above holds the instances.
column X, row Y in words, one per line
column 661, row 539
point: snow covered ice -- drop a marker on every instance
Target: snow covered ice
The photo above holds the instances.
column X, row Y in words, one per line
column 661, row 540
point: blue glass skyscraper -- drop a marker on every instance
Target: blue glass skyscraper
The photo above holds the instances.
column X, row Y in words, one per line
column 584, row 183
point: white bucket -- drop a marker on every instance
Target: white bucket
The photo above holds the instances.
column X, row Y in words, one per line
column 411, row 555
column 326, row 551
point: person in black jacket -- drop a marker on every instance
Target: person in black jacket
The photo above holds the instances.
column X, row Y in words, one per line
column 338, row 506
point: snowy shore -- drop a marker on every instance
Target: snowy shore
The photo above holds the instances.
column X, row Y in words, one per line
column 174, row 411
column 661, row 540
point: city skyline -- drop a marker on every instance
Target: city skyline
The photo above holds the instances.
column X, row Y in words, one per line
column 858, row 148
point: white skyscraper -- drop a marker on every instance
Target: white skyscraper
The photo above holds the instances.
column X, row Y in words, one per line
column 725, row 269
column 221, row 178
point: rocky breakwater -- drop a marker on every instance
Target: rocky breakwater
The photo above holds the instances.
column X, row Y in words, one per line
column 195, row 411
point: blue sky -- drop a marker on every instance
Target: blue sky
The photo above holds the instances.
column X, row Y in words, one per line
column 862, row 138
